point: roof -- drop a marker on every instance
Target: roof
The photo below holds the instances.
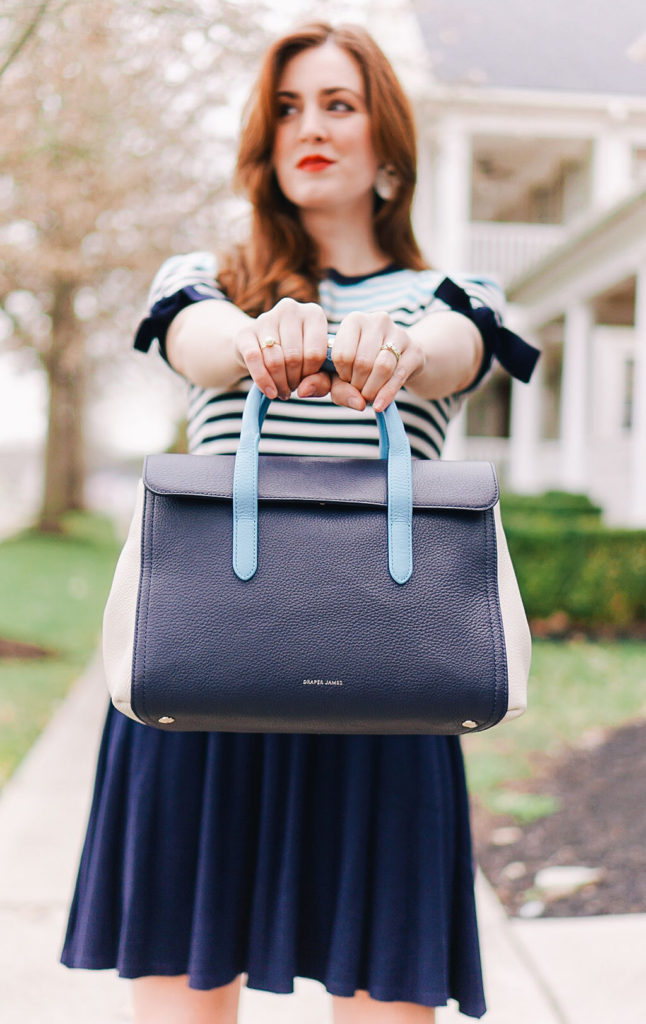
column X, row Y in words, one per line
column 561, row 45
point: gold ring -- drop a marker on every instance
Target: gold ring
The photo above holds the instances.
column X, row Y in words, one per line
column 389, row 347
column 269, row 342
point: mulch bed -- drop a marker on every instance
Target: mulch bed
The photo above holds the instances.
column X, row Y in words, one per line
column 559, row 626
column 600, row 824
column 18, row 649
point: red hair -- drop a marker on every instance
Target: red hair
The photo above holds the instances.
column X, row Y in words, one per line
column 280, row 258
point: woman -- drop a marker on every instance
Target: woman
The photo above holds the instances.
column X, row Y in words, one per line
column 341, row 858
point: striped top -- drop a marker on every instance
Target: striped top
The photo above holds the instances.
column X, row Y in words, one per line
column 315, row 426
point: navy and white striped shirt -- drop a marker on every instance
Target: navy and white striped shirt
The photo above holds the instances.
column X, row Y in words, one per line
column 315, row 426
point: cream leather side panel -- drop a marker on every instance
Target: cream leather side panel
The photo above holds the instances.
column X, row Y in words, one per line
column 120, row 613
column 518, row 639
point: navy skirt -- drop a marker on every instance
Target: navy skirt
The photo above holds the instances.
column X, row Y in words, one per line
column 346, row 859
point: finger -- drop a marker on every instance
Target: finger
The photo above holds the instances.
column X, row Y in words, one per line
column 248, row 348
column 364, row 360
column 343, row 393
column 375, row 329
column 316, row 385
column 268, row 339
column 315, row 330
column 290, row 332
column 387, row 393
column 384, row 367
column 345, row 346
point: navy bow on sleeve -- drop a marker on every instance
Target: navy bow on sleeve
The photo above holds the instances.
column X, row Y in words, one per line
column 517, row 356
column 157, row 322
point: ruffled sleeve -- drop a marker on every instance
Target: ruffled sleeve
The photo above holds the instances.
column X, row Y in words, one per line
column 179, row 282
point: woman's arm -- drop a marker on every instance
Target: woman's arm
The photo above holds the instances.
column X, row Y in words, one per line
column 452, row 351
column 193, row 322
column 200, row 343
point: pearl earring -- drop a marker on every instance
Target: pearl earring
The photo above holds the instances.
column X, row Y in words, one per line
column 386, row 182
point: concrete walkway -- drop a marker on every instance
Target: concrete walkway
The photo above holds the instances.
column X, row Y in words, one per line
column 586, row 971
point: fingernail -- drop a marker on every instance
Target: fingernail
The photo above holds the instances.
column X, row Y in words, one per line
column 356, row 403
column 378, row 406
column 271, row 393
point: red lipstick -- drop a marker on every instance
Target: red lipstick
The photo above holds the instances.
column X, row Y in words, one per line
column 314, row 162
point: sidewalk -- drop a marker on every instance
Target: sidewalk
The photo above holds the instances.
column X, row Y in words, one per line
column 585, row 971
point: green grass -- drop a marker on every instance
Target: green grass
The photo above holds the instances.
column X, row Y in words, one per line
column 52, row 593
column 575, row 687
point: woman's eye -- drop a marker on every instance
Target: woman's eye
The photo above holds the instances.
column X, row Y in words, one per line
column 285, row 110
column 340, row 105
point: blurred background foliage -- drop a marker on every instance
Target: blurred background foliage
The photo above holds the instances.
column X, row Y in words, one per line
column 117, row 123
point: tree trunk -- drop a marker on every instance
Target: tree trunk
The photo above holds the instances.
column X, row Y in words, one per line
column 64, row 453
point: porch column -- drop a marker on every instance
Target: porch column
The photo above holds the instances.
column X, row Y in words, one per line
column 451, row 197
column 525, row 476
column 455, row 448
column 611, row 169
column 574, row 397
column 638, row 443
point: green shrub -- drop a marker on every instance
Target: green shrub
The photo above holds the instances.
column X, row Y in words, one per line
column 593, row 575
column 555, row 506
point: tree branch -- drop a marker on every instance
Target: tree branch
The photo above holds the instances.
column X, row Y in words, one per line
column 25, row 37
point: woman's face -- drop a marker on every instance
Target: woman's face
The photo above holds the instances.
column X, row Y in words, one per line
column 323, row 153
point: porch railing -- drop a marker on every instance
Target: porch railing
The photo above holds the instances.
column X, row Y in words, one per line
column 506, row 250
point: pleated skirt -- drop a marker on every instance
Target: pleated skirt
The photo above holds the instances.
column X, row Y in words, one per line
column 346, row 859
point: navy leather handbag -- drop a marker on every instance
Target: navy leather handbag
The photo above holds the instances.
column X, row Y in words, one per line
column 297, row 594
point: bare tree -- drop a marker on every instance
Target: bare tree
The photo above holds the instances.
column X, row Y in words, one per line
column 117, row 149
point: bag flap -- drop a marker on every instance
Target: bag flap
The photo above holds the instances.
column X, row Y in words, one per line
column 284, row 478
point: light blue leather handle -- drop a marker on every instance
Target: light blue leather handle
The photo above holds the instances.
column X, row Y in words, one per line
column 245, row 489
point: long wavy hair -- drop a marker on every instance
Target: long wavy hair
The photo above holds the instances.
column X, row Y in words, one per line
column 280, row 258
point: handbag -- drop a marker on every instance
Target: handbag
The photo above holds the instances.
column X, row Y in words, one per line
column 316, row 595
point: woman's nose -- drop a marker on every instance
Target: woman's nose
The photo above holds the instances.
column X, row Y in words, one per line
column 312, row 124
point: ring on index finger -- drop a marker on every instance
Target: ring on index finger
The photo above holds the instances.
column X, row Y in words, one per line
column 269, row 341
column 387, row 346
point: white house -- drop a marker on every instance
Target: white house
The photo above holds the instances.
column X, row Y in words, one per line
column 533, row 149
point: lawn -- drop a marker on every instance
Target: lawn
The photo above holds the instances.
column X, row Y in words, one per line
column 52, row 593
column 576, row 688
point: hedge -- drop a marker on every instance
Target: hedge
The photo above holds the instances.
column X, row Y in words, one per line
column 557, row 506
column 593, row 575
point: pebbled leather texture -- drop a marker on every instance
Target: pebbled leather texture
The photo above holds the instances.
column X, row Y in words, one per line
column 245, row 490
column 321, row 639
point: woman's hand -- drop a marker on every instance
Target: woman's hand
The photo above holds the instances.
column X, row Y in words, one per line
column 286, row 347
column 373, row 357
